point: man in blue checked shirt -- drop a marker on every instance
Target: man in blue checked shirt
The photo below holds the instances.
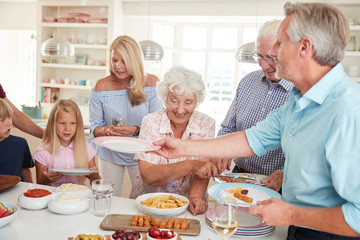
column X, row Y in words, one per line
column 258, row 93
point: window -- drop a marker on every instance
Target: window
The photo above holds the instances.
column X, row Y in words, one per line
column 208, row 49
column 18, row 66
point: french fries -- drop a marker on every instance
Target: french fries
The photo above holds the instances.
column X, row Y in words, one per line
column 164, row 202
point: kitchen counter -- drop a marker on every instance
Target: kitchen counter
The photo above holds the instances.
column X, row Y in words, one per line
column 45, row 225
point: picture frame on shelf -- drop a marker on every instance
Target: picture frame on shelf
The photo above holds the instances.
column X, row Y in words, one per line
column 80, row 59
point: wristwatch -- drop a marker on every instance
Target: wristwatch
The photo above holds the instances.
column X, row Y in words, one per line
column 137, row 131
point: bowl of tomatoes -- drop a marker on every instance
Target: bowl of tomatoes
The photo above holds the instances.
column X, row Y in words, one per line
column 159, row 233
column 35, row 199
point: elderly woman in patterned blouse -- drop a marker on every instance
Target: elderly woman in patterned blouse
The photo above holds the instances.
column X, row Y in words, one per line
column 181, row 91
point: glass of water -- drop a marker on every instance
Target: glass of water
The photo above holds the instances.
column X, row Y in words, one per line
column 102, row 191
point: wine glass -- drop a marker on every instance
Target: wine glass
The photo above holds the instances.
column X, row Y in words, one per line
column 225, row 218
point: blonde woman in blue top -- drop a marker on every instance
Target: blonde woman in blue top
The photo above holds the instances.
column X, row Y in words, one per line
column 128, row 93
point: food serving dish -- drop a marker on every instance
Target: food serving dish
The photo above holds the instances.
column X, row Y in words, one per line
column 125, row 144
column 148, row 236
column 35, row 203
column 90, row 236
column 7, row 181
column 75, row 189
column 160, row 211
column 256, row 192
column 68, row 204
column 122, row 221
column 74, row 171
column 9, row 218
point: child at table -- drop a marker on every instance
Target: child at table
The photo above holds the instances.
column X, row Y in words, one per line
column 64, row 146
column 15, row 156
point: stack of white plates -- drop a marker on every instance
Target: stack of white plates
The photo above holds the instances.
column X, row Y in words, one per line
column 249, row 225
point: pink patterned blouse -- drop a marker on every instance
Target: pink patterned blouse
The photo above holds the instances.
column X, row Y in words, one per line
column 156, row 126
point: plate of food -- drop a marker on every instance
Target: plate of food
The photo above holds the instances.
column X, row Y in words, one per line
column 74, row 189
column 89, row 236
column 125, row 144
column 142, row 222
column 164, row 204
column 8, row 212
column 243, row 194
column 74, row 171
column 250, row 178
column 7, row 181
column 35, row 199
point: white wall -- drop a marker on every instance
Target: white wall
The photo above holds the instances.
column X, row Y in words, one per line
column 18, row 15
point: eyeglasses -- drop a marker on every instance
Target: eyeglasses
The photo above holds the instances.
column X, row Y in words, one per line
column 267, row 59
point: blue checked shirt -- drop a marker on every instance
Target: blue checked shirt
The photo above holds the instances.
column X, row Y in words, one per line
column 106, row 105
column 255, row 98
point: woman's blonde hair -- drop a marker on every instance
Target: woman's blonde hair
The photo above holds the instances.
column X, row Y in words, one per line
column 5, row 109
column 131, row 53
column 50, row 140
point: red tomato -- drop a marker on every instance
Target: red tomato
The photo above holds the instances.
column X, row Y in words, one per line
column 169, row 234
column 154, row 232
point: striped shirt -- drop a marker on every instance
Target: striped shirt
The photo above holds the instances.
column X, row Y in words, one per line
column 255, row 98
column 106, row 105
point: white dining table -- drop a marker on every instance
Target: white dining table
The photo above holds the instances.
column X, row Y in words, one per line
column 45, row 225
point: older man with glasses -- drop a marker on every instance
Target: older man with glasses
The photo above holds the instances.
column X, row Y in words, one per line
column 258, row 93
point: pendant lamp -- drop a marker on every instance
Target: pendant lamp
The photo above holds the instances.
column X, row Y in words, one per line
column 57, row 46
column 151, row 50
column 246, row 52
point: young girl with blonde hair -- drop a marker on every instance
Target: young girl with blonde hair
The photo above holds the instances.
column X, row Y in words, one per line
column 64, row 146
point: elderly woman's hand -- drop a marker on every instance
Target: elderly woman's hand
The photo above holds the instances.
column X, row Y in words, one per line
column 197, row 205
column 222, row 164
column 207, row 170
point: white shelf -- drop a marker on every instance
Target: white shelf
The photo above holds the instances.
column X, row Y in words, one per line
column 63, row 86
column 90, row 46
column 74, row 66
column 354, row 27
column 75, row 25
column 352, row 53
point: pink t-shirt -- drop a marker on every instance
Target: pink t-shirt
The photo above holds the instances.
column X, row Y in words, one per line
column 156, row 126
column 64, row 158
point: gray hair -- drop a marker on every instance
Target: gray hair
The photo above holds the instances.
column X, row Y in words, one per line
column 186, row 81
column 324, row 24
column 269, row 28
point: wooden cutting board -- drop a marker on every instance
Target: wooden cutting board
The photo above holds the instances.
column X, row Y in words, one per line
column 121, row 221
column 108, row 237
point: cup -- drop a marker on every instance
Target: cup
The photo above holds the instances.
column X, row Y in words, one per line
column 102, row 191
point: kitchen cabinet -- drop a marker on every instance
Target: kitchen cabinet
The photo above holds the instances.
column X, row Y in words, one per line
column 90, row 28
column 351, row 9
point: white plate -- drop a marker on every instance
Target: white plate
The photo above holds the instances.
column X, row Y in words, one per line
column 74, row 171
column 256, row 192
column 158, row 211
column 125, row 144
column 8, row 219
column 68, row 208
